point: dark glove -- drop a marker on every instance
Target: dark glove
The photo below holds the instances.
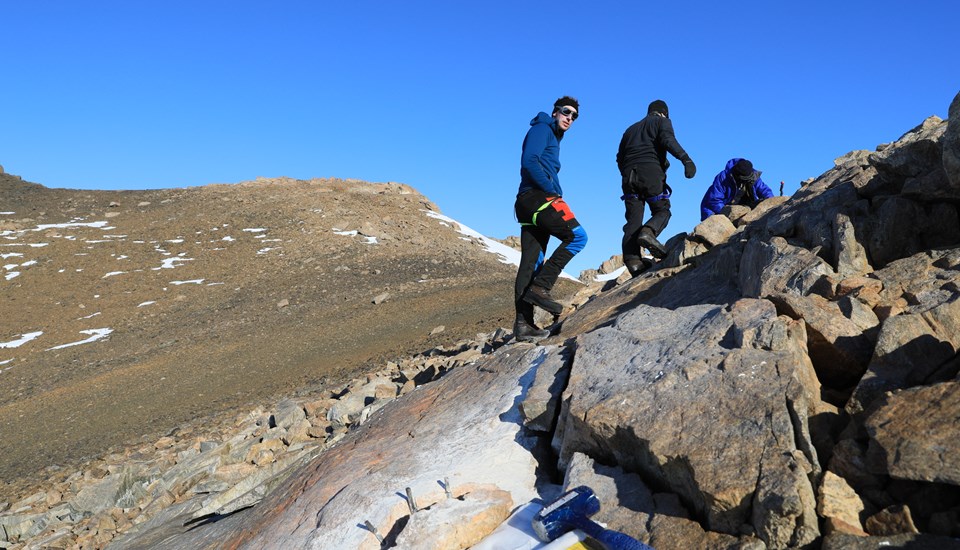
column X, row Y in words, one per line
column 689, row 169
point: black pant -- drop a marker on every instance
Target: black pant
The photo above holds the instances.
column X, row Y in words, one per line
column 537, row 226
column 642, row 183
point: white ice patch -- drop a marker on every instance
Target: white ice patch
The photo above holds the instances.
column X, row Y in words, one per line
column 95, row 334
column 344, row 233
column 192, row 281
column 610, row 276
column 7, row 213
column 89, row 316
column 170, row 263
column 255, row 229
column 507, row 255
column 112, row 273
column 10, row 255
column 41, row 227
column 146, row 303
column 11, row 275
column 228, row 238
column 24, row 338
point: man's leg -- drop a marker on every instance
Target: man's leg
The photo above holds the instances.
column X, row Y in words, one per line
column 631, row 230
column 653, row 181
column 659, row 216
column 533, row 245
column 559, row 222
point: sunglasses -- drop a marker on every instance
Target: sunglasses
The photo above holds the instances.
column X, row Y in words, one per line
column 567, row 111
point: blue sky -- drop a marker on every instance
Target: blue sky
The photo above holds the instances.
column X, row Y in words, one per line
column 438, row 95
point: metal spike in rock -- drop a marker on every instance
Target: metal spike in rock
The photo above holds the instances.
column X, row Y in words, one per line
column 373, row 530
column 446, row 487
column 411, row 503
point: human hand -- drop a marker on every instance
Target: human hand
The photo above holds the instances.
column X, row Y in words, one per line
column 689, row 169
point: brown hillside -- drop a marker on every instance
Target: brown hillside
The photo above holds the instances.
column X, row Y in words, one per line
column 217, row 297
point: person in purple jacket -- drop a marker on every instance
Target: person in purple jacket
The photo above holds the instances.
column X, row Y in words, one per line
column 738, row 183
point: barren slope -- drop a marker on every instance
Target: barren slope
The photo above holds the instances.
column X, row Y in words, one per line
column 217, row 297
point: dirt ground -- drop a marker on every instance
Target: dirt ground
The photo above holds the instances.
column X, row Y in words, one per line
column 216, row 298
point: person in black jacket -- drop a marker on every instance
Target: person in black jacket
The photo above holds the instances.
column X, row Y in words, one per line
column 642, row 159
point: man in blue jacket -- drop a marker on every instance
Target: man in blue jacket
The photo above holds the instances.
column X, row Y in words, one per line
column 737, row 183
column 642, row 159
column 542, row 213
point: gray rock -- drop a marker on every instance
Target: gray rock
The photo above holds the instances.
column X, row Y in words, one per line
column 913, row 434
column 541, row 403
column 774, row 267
column 910, row 349
column 914, row 153
column 838, row 347
column 667, row 409
column 713, row 231
column 951, row 144
column 288, row 414
column 682, row 250
column 761, row 210
column 626, row 503
column 123, row 489
column 840, row 541
column 850, row 257
column 734, row 212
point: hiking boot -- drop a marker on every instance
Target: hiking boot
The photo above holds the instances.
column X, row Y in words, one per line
column 649, row 241
column 526, row 332
column 539, row 296
column 636, row 267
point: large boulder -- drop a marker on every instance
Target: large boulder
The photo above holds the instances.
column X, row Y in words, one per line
column 951, row 144
column 718, row 417
column 913, row 434
column 912, row 349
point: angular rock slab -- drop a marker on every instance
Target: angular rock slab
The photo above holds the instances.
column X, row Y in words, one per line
column 910, row 349
column 465, row 427
column 951, row 144
column 913, row 434
column 717, row 415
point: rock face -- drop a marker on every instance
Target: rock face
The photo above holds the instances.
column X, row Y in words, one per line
column 786, row 377
column 671, row 410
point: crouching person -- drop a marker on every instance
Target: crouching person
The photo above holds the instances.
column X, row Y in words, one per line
column 737, row 183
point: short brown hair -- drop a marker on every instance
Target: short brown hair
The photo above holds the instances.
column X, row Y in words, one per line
column 566, row 100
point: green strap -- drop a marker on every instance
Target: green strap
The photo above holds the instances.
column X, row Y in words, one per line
column 537, row 213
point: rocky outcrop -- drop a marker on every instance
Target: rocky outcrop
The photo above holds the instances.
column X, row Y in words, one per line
column 669, row 409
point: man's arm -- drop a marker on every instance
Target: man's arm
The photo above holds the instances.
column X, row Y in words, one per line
column 761, row 190
column 533, row 146
column 670, row 143
column 714, row 199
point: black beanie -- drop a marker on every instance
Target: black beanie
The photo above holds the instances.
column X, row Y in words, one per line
column 566, row 100
column 659, row 106
column 742, row 168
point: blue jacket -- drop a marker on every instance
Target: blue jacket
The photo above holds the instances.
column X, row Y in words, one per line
column 540, row 159
column 724, row 191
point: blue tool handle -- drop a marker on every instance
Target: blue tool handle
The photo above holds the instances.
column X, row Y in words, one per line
column 611, row 540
